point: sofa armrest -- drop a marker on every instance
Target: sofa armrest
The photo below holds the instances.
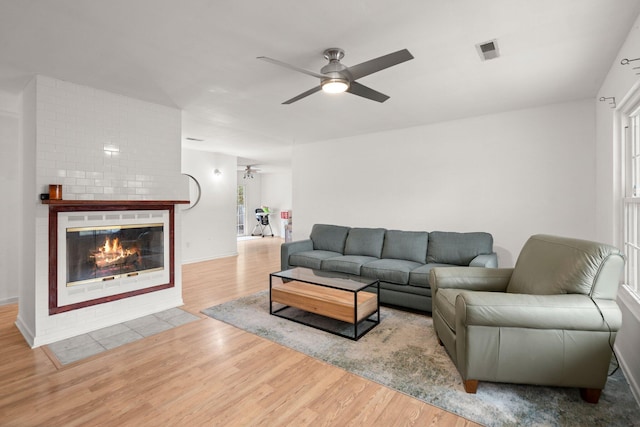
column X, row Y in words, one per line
column 470, row 278
column 564, row 311
column 289, row 248
column 485, row 260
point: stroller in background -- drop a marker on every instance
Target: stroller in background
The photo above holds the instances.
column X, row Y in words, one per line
column 263, row 222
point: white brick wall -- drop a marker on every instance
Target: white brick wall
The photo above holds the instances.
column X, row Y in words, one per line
column 103, row 146
column 76, row 130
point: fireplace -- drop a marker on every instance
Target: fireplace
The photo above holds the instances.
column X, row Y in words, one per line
column 105, row 251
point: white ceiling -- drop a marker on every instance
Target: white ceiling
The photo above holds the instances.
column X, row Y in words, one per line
column 200, row 56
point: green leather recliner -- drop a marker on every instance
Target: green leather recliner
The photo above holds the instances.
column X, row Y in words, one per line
column 550, row 320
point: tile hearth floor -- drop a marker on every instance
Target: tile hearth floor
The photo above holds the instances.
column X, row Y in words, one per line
column 89, row 344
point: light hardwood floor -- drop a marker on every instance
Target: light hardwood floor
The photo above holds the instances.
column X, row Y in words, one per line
column 202, row 373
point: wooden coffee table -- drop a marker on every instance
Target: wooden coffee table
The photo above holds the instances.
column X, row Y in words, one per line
column 331, row 295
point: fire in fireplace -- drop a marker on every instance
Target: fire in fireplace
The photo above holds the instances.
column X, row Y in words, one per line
column 106, row 253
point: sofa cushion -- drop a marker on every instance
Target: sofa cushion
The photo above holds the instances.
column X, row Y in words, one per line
column 389, row 270
column 365, row 241
column 311, row 259
column 420, row 276
column 349, row 264
column 409, row 245
column 329, row 237
column 457, row 248
column 411, row 290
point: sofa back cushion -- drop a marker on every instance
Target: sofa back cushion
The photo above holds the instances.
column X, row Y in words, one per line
column 329, row 237
column 549, row 265
column 365, row 241
column 457, row 248
column 409, row 245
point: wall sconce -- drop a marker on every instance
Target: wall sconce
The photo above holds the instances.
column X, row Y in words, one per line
column 111, row 149
column 217, row 172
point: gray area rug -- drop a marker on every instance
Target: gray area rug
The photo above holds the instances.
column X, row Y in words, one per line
column 402, row 353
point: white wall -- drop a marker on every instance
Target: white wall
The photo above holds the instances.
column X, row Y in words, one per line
column 65, row 130
column 28, row 300
column 10, row 183
column 209, row 227
column 512, row 174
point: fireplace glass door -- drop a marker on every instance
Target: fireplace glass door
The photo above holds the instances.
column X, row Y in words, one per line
column 108, row 252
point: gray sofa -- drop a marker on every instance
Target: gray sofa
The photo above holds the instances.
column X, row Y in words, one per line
column 401, row 260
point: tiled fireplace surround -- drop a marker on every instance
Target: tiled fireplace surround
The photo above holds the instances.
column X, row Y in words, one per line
column 99, row 146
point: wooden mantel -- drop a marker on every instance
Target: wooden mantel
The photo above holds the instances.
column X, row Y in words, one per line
column 107, row 204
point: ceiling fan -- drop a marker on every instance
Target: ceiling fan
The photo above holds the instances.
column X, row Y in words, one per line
column 336, row 77
column 249, row 172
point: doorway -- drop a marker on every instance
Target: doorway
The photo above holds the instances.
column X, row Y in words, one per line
column 241, row 217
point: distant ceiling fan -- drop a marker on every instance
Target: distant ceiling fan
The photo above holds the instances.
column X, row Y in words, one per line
column 336, row 77
column 249, row 172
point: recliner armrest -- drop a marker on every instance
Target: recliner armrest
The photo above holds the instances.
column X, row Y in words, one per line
column 564, row 311
column 485, row 260
column 289, row 248
column 470, row 278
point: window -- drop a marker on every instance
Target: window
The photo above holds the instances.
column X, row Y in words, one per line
column 241, row 217
column 631, row 200
column 632, row 142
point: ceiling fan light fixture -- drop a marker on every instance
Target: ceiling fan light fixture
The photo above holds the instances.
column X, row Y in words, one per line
column 336, row 77
column 335, row 85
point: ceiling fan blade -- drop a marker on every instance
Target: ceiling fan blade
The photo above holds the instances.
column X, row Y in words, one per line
column 366, row 92
column 377, row 64
column 303, row 95
column 292, row 67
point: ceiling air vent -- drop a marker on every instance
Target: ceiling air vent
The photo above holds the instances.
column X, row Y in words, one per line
column 488, row 50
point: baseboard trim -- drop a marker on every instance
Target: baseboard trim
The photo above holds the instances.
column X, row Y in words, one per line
column 628, row 374
column 195, row 260
column 28, row 335
column 8, row 301
column 625, row 347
